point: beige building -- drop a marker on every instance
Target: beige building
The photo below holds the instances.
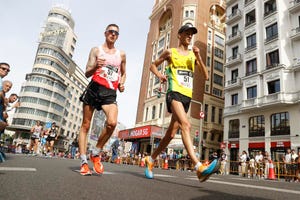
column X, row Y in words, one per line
column 166, row 18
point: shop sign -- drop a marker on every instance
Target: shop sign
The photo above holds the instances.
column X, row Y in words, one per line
column 281, row 144
column 233, row 145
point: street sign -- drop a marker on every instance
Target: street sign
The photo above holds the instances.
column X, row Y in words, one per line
column 201, row 115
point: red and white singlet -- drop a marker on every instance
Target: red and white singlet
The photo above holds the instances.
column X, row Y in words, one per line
column 109, row 75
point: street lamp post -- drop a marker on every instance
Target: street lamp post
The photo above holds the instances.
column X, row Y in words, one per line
column 200, row 127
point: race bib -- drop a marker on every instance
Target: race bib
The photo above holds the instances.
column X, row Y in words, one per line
column 109, row 73
column 185, row 78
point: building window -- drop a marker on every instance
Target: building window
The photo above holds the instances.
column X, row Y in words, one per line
column 271, row 32
column 217, row 92
column 250, row 18
column 235, row 51
column 218, row 79
column 234, row 30
column 234, row 99
column 219, row 53
column 213, row 113
column 270, row 7
column 220, row 116
column 251, row 42
column 234, row 9
column 252, row 92
column 274, row 86
column 205, row 112
column 153, row 112
column 160, row 110
column 146, row 115
column 257, row 126
column 219, row 40
column 251, row 67
column 208, row 61
column 272, row 59
column 280, row 124
column 234, row 128
column 218, row 66
column 234, row 75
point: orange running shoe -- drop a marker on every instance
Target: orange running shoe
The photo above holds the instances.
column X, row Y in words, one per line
column 207, row 169
column 98, row 167
column 149, row 167
column 85, row 170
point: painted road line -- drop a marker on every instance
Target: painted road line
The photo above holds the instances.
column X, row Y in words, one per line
column 164, row 175
column 105, row 172
column 256, row 187
column 17, row 169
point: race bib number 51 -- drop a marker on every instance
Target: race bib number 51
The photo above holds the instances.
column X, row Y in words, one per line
column 185, row 78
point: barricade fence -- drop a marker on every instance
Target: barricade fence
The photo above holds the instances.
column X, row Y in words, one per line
column 282, row 170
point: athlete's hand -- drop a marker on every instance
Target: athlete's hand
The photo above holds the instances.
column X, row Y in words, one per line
column 121, row 87
column 163, row 78
column 100, row 62
column 196, row 50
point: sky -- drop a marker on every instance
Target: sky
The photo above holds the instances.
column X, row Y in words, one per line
column 21, row 23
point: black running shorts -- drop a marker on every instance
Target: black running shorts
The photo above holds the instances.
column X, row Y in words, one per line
column 97, row 95
column 178, row 97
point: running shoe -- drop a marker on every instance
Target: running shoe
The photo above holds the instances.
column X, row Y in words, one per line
column 98, row 167
column 149, row 167
column 85, row 170
column 206, row 170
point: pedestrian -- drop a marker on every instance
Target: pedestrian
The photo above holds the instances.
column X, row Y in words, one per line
column 74, row 147
column 52, row 135
column 107, row 66
column 179, row 74
column 243, row 163
column 36, row 132
column 4, row 69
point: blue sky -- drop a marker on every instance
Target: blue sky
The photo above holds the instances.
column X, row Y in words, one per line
column 21, row 23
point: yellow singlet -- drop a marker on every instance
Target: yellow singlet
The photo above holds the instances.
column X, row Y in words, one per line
column 180, row 73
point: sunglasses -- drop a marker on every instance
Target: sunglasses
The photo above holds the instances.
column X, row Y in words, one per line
column 5, row 69
column 113, row 32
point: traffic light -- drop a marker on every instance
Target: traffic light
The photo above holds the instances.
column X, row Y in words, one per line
column 159, row 92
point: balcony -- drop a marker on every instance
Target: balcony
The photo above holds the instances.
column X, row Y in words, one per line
column 271, row 38
column 234, row 37
column 295, row 35
column 296, row 64
column 295, row 6
column 231, row 110
column 230, row 2
column 233, row 84
column 250, row 48
column 269, row 13
column 250, row 104
column 248, row 2
column 233, row 17
column 233, row 60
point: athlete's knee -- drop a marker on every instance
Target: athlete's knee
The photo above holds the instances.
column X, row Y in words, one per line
column 186, row 125
column 111, row 124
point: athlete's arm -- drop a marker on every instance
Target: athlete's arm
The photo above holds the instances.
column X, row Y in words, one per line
column 199, row 63
column 93, row 64
column 166, row 55
column 123, row 72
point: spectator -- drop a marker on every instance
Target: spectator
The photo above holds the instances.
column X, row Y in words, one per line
column 243, row 163
column 223, row 170
column 288, row 165
column 259, row 164
column 74, row 147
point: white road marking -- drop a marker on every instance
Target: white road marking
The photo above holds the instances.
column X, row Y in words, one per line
column 17, row 169
column 163, row 175
column 255, row 187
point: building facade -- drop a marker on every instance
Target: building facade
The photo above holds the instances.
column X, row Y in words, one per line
column 166, row 18
column 262, row 77
column 51, row 91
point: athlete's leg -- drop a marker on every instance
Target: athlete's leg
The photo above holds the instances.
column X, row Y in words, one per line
column 85, row 126
column 180, row 115
column 170, row 133
column 111, row 112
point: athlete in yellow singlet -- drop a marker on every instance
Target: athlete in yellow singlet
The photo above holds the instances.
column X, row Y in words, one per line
column 179, row 74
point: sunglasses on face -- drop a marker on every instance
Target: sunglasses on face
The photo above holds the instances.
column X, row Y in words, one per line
column 113, row 32
column 5, row 69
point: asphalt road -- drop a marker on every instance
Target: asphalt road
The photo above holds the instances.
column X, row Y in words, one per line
column 28, row 178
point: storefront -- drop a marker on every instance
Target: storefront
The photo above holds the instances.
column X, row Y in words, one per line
column 255, row 147
column 234, row 157
column 278, row 149
column 142, row 138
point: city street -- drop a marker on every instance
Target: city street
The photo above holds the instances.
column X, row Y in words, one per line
column 26, row 177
